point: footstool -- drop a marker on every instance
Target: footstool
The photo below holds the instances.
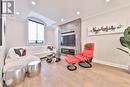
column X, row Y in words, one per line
column 33, row 68
column 14, row 76
column 71, row 60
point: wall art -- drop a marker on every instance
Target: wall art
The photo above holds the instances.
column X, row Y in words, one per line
column 107, row 29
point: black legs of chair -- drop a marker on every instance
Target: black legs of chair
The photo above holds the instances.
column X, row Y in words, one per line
column 71, row 67
column 86, row 64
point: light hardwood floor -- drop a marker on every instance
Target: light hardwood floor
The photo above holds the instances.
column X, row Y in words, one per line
column 57, row 75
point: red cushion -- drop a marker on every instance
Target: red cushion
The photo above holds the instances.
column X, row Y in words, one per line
column 24, row 53
column 81, row 58
column 71, row 59
column 88, row 52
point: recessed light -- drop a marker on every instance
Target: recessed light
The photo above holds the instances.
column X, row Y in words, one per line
column 78, row 13
column 62, row 20
column 107, row 0
column 33, row 3
column 17, row 13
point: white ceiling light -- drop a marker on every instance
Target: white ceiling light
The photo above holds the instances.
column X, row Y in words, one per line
column 78, row 13
column 107, row 0
column 62, row 20
column 17, row 13
column 33, row 3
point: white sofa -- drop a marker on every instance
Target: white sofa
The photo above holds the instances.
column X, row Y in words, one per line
column 12, row 59
column 40, row 51
column 33, row 53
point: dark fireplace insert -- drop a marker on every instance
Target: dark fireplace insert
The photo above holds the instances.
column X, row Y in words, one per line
column 68, row 51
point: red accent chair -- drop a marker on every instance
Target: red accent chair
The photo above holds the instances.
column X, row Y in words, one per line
column 84, row 58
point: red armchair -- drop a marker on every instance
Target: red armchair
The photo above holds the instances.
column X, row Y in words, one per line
column 84, row 58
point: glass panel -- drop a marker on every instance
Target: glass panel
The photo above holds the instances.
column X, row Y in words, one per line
column 32, row 33
column 35, row 32
column 40, row 33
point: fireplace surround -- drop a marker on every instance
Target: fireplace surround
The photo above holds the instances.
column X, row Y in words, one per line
column 70, row 37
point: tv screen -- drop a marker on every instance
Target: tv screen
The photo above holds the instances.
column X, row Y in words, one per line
column 68, row 40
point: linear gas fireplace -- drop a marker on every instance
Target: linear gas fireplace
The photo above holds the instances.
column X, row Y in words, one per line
column 68, row 51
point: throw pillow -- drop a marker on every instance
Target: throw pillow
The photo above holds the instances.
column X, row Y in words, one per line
column 20, row 52
column 24, row 52
column 17, row 51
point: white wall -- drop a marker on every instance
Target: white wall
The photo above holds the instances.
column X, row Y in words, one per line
column 16, row 34
column 105, row 45
column 56, row 41
column 51, row 36
column 2, row 51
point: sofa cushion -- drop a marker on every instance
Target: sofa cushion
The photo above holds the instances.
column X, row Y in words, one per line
column 24, row 52
column 20, row 51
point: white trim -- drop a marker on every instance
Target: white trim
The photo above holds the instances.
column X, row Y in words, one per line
column 73, row 33
column 111, row 64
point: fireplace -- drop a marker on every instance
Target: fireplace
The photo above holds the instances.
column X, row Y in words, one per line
column 68, row 51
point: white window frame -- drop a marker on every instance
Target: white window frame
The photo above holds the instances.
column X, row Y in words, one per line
column 36, row 41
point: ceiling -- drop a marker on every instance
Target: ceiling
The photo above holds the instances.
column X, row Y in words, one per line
column 66, row 9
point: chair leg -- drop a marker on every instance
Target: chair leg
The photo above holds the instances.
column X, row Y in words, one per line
column 49, row 60
column 58, row 59
column 71, row 67
column 85, row 64
column 89, row 63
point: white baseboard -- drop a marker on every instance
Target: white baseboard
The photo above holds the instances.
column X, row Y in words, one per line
column 111, row 64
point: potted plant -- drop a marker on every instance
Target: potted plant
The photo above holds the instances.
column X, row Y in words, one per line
column 125, row 42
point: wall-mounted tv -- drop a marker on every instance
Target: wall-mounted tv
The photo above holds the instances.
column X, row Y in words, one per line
column 68, row 40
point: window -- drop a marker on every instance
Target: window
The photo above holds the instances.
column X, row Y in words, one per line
column 35, row 32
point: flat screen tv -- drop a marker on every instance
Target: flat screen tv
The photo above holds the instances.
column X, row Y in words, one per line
column 68, row 40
